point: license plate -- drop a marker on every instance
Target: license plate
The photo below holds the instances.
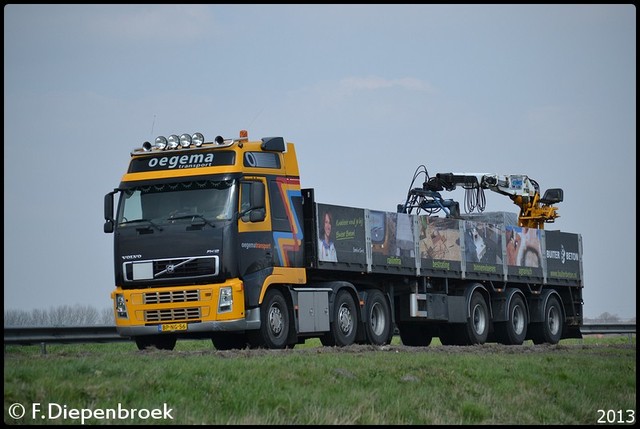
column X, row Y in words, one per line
column 173, row 327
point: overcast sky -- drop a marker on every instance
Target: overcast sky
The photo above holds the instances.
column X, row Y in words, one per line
column 367, row 93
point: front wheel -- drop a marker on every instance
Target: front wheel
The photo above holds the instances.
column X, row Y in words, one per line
column 274, row 322
column 229, row 341
column 160, row 342
column 342, row 331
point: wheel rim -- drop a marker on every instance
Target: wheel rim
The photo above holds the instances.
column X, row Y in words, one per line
column 479, row 319
column 554, row 320
column 377, row 319
column 345, row 320
column 275, row 320
column 518, row 320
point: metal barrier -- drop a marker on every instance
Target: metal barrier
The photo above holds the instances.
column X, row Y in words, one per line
column 61, row 334
column 108, row 334
column 608, row 328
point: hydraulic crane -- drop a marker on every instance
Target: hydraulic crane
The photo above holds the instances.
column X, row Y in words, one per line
column 535, row 211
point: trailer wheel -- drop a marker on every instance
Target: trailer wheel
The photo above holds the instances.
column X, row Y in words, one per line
column 514, row 330
column 415, row 335
column 378, row 318
column 477, row 327
column 274, row 322
column 342, row 331
column 549, row 330
column 160, row 342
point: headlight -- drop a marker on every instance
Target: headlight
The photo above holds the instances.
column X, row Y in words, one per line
column 121, row 306
column 161, row 143
column 197, row 139
column 185, row 140
column 225, row 301
column 173, row 141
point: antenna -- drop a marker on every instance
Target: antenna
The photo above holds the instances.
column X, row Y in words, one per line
column 256, row 117
column 152, row 125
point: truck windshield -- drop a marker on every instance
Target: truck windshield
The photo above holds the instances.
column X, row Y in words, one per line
column 162, row 203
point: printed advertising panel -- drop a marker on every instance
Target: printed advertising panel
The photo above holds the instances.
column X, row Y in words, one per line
column 562, row 251
column 341, row 234
column 524, row 251
column 483, row 248
column 392, row 242
column 440, row 244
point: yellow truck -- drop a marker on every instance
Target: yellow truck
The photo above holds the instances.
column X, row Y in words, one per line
column 217, row 240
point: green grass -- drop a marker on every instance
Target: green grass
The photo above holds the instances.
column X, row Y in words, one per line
column 309, row 385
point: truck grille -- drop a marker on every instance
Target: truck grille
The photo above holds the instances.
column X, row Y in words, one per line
column 171, row 296
column 171, row 268
column 170, row 315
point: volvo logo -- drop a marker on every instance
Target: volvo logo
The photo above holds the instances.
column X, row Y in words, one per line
column 171, row 268
column 130, row 257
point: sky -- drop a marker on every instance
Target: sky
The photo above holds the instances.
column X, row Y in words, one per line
column 366, row 92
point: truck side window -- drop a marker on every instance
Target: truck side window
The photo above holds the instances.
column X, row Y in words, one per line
column 256, row 209
column 279, row 218
column 245, row 199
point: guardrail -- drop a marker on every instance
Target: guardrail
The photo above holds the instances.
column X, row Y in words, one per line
column 108, row 334
column 61, row 334
column 608, row 328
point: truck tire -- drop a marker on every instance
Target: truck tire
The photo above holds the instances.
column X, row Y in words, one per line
column 550, row 329
column 160, row 342
column 378, row 318
column 229, row 341
column 415, row 335
column 477, row 327
column 343, row 329
column 453, row 334
column 274, row 322
column 514, row 330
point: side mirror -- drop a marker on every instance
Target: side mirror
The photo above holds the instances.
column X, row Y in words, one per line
column 256, row 211
column 257, row 215
column 108, row 212
column 257, row 195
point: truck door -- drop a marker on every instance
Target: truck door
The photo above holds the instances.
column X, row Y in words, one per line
column 254, row 228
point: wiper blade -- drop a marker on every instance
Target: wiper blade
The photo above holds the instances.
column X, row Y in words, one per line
column 159, row 228
column 193, row 217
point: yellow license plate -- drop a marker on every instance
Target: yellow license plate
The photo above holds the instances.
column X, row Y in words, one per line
column 173, row 327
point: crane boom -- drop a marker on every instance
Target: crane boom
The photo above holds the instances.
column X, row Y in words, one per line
column 535, row 210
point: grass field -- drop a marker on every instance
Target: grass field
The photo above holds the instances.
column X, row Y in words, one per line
column 590, row 381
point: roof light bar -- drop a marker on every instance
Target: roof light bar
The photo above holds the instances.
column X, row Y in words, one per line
column 186, row 141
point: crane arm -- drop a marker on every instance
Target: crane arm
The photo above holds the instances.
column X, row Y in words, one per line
column 523, row 191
